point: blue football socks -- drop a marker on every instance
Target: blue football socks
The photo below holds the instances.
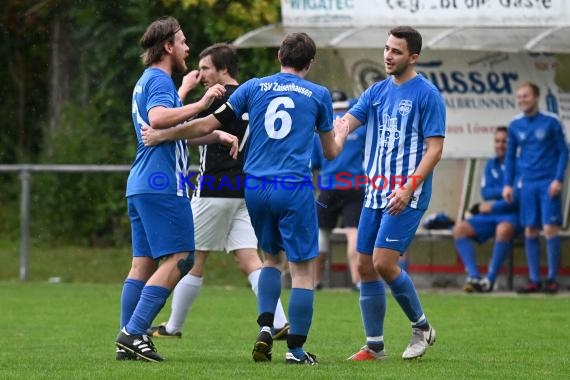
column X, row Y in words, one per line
column 151, row 301
column 553, row 252
column 404, row 264
column 373, row 308
column 129, row 298
column 301, row 311
column 269, row 290
column 532, row 249
column 405, row 294
column 466, row 252
column 501, row 251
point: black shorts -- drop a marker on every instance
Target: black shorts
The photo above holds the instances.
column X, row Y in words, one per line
column 334, row 203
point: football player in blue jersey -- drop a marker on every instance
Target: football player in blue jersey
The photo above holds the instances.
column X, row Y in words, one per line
column 404, row 117
column 537, row 147
column 221, row 220
column 284, row 111
column 491, row 218
column 158, row 204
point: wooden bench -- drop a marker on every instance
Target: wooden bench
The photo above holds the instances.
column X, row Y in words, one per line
column 464, row 176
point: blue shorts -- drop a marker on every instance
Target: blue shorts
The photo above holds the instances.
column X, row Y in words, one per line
column 485, row 225
column 378, row 229
column 536, row 207
column 161, row 225
column 284, row 219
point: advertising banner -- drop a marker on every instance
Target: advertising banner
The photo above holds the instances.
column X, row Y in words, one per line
column 478, row 88
column 425, row 12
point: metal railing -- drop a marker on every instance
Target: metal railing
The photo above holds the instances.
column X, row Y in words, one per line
column 25, row 173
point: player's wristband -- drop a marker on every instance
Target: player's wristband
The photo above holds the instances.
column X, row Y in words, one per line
column 225, row 114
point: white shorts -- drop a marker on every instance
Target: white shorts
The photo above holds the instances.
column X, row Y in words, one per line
column 222, row 224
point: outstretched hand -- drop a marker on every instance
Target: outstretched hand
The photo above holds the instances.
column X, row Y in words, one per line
column 341, row 127
column 151, row 136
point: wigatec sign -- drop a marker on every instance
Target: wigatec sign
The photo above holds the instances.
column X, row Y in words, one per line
column 425, row 12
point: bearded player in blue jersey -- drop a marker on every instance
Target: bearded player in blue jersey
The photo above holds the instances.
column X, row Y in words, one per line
column 158, row 204
column 537, row 147
column 284, row 110
column 404, row 117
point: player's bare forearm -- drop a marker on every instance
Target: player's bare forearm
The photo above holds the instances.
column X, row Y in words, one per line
column 428, row 162
column 353, row 122
column 198, row 127
column 163, row 117
column 219, row 137
column 188, row 130
column 204, row 140
column 216, row 137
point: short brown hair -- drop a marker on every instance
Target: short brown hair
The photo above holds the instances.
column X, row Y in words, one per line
column 223, row 56
column 413, row 38
column 533, row 86
column 501, row 128
column 297, row 50
column 152, row 41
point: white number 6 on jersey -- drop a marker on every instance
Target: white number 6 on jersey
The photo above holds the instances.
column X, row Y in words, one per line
column 271, row 116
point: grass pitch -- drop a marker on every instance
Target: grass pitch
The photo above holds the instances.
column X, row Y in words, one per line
column 66, row 331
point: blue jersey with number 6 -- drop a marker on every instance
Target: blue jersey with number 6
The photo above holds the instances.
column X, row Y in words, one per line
column 284, row 110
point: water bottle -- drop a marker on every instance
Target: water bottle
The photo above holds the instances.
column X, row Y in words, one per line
column 551, row 102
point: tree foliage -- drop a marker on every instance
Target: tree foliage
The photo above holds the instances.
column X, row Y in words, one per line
column 69, row 67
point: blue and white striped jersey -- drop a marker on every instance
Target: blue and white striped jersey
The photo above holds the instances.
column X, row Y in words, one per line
column 398, row 119
column 161, row 169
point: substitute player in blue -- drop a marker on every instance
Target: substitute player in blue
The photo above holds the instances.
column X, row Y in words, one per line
column 158, row 205
column 494, row 217
column 284, row 110
column 537, row 147
column 404, row 117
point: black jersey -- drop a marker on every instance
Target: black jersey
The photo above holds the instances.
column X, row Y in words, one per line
column 220, row 175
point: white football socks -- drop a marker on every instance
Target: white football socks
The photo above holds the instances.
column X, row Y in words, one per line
column 183, row 296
